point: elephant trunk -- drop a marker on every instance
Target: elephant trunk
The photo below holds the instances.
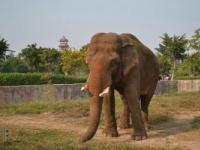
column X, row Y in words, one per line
column 97, row 83
column 95, row 114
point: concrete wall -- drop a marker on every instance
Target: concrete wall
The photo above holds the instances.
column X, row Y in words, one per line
column 26, row 93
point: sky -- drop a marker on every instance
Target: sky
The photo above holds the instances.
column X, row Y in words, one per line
column 44, row 22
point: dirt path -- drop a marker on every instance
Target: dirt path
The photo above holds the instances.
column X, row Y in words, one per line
column 172, row 133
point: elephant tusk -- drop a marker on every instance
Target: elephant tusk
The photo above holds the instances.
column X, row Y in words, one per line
column 105, row 92
column 84, row 88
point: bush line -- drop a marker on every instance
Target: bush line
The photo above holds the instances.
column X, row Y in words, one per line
column 37, row 78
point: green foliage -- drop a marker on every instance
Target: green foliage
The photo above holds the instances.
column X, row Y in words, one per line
column 14, row 64
column 190, row 66
column 31, row 54
column 195, row 41
column 164, row 64
column 187, row 78
column 3, row 48
column 41, row 59
column 173, row 48
column 37, row 78
column 50, row 60
column 73, row 62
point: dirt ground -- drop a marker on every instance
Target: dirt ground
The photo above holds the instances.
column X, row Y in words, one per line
column 176, row 132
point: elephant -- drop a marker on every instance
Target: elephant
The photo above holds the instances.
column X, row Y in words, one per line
column 120, row 62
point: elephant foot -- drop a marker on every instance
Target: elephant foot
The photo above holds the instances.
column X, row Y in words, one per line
column 147, row 128
column 124, row 125
column 139, row 137
column 110, row 132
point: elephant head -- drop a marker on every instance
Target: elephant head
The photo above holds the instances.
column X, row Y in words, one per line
column 110, row 58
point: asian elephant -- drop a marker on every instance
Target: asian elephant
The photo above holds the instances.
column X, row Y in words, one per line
column 122, row 63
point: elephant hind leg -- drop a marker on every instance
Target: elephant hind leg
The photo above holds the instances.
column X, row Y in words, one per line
column 145, row 100
column 144, row 107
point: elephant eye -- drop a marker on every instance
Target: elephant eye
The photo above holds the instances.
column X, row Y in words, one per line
column 114, row 63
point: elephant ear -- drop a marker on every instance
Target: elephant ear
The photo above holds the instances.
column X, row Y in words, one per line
column 129, row 56
column 88, row 53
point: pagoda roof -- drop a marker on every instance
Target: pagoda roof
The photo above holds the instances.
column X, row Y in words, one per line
column 63, row 39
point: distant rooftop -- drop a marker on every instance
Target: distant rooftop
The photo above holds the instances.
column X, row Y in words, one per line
column 63, row 39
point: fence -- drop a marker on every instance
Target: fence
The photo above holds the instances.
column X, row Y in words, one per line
column 26, row 93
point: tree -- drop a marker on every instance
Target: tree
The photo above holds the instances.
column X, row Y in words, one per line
column 3, row 48
column 190, row 65
column 50, row 60
column 164, row 64
column 31, row 54
column 14, row 64
column 174, row 49
column 73, row 62
column 194, row 42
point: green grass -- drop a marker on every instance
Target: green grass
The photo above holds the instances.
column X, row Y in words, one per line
column 70, row 107
column 37, row 139
column 196, row 122
column 162, row 109
column 43, row 139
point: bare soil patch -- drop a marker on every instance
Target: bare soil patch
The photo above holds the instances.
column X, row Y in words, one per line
column 176, row 132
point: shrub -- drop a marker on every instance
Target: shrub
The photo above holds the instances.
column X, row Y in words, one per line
column 37, row 78
column 14, row 64
column 187, row 78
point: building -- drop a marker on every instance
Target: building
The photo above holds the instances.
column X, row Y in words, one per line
column 63, row 44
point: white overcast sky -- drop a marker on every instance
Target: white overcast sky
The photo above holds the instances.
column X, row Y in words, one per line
column 43, row 22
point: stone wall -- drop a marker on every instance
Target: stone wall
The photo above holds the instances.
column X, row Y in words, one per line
column 26, row 93
column 188, row 85
column 164, row 87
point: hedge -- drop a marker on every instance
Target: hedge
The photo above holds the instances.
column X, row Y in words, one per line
column 187, row 78
column 37, row 78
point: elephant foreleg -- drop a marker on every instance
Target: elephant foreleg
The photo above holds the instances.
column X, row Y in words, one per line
column 110, row 120
column 131, row 94
column 125, row 115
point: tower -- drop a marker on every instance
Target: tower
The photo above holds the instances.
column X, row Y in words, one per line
column 63, row 44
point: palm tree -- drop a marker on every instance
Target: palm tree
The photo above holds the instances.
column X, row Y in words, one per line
column 174, row 49
column 3, row 48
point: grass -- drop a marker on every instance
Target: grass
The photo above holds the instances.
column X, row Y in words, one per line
column 70, row 107
column 162, row 107
column 39, row 139
column 42, row 139
column 162, row 110
column 196, row 122
column 172, row 102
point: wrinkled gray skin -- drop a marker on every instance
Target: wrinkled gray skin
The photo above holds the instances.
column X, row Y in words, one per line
column 122, row 63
